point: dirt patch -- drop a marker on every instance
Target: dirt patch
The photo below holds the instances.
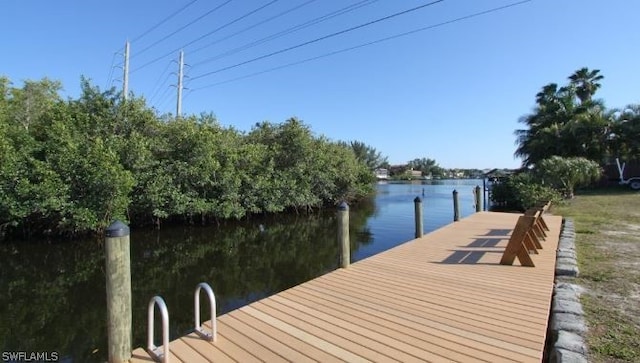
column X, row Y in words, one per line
column 622, row 248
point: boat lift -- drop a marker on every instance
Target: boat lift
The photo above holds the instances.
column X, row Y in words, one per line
column 633, row 182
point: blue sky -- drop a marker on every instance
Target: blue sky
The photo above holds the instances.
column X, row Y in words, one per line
column 453, row 93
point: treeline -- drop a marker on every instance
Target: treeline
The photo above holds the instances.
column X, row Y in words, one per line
column 430, row 169
column 72, row 166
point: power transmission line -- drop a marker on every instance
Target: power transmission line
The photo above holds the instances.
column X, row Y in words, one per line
column 157, row 86
column 462, row 18
column 290, row 30
column 210, row 33
column 162, row 21
column 161, row 86
column 320, row 38
column 113, row 64
column 164, row 98
column 253, row 26
column 231, row 22
column 181, row 29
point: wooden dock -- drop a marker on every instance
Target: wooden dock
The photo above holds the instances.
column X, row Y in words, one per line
column 440, row 298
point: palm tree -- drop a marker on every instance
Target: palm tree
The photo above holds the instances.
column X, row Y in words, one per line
column 625, row 133
column 586, row 83
column 547, row 96
column 588, row 132
column 545, row 135
column 565, row 122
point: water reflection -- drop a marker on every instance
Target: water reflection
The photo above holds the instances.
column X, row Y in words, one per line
column 54, row 295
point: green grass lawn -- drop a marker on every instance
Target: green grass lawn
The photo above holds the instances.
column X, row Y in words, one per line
column 607, row 223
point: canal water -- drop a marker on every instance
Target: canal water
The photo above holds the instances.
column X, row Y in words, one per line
column 52, row 295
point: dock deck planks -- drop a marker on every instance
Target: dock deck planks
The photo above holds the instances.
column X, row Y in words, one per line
column 442, row 297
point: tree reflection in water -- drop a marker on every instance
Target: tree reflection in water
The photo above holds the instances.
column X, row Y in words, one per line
column 54, row 294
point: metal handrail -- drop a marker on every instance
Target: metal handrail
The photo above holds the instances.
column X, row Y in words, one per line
column 151, row 348
column 212, row 303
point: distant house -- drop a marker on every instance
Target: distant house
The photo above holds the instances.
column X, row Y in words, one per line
column 414, row 174
column 401, row 172
column 381, row 174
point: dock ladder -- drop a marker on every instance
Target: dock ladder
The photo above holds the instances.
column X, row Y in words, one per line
column 161, row 353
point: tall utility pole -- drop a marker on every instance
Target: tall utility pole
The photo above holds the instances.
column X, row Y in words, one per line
column 180, row 76
column 125, row 78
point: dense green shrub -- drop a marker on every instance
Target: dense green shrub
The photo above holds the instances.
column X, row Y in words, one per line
column 520, row 192
column 72, row 166
column 566, row 174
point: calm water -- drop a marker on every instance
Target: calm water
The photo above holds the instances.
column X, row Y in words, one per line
column 53, row 295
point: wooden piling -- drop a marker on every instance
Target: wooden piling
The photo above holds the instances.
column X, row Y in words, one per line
column 478, row 198
column 484, row 192
column 118, row 275
column 456, row 206
column 343, row 235
column 418, row 214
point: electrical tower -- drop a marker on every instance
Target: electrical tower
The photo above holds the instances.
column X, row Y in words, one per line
column 125, row 78
column 180, row 86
